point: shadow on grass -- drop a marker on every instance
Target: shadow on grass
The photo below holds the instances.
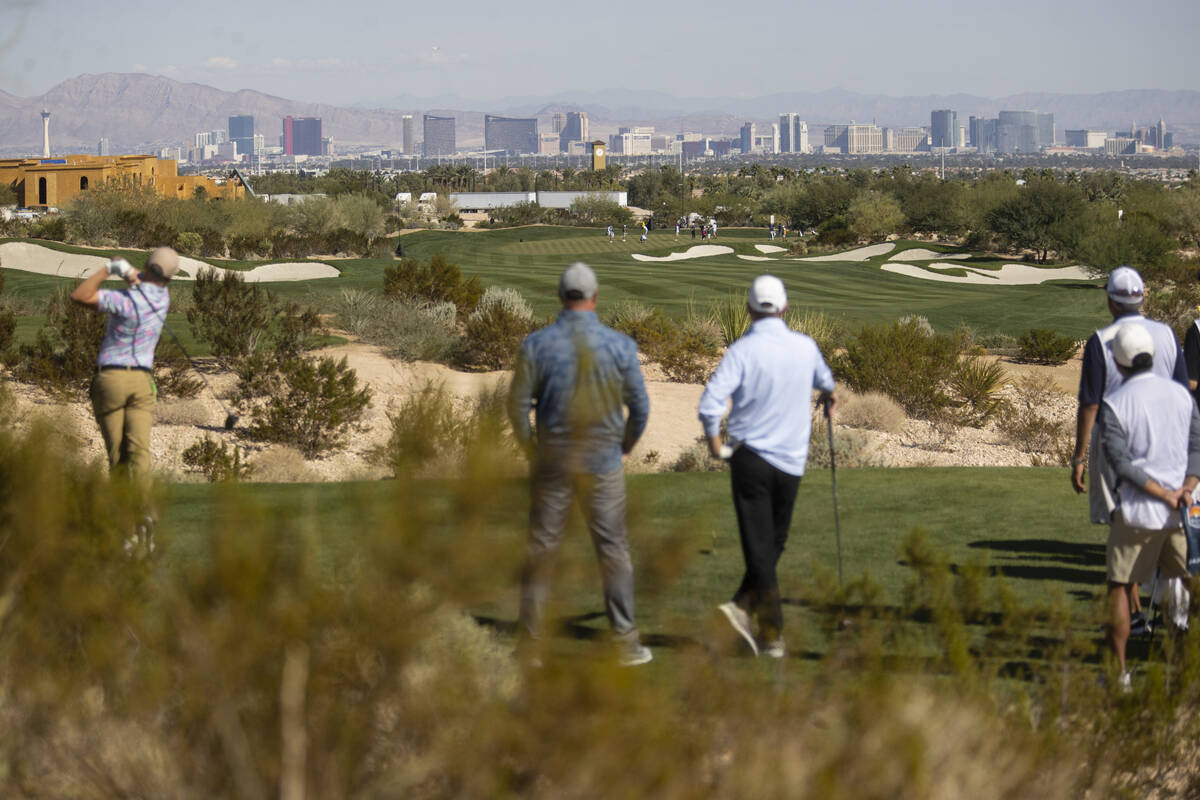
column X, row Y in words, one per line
column 1063, row 561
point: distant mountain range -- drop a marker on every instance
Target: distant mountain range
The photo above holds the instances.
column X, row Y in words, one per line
column 142, row 112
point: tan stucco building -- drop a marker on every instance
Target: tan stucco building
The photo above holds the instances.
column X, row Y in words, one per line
column 46, row 182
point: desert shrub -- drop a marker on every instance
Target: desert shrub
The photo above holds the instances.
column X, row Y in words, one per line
column 188, row 243
column 437, row 281
column 976, row 385
column 239, row 319
column 687, row 355
column 1000, row 344
column 309, row 403
column 217, row 462
column 731, row 316
column 354, row 310
column 647, row 326
column 871, row 410
column 173, row 373
column 903, row 361
column 495, row 329
column 1044, row 346
column 1174, row 304
column 827, row 332
column 412, row 331
column 853, row 448
column 62, row 359
column 234, row 317
column 50, row 226
column 280, row 464
column 8, row 327
column 696, row 458
column 1025, row 425
column 918, row 322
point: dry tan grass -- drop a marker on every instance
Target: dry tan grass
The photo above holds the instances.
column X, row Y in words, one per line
column 874, row 411
column 182, row 412
column 282, row 465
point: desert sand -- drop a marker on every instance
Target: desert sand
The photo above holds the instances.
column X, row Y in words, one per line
column 44, row 261
column 1008, row 275
column 769, row 248
column 861, row 254
column 696, row 251
column 921, row 254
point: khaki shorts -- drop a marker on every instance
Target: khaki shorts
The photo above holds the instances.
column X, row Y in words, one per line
column 1134, row 552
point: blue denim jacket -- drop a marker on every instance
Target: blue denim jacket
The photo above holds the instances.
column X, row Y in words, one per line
column 576, row 375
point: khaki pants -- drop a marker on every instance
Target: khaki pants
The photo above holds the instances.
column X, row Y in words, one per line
column 123, row 402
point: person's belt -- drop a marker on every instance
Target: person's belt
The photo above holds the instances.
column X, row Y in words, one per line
column 107, row 367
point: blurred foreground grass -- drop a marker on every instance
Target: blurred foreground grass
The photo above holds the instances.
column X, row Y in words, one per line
column 354, row 640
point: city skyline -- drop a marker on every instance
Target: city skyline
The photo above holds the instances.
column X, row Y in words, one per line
column 357, row 56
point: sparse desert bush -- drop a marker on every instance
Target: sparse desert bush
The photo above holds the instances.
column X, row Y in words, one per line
column 496, row 328
column 903, row 360
column 173, row 373
column 827, row 332
column 311, row 404
column 216, row 461
column 413, row 331
column 234, row 317
column 1025, row 425
column 688, row 355
column 853, row 448
column 874, row 411
column 280, row 464
column 1174, row 303
column 647, row 326
column 62, row 359
column 696, row 458
column 189, row 243
column 435, row 281
column 1044, row 346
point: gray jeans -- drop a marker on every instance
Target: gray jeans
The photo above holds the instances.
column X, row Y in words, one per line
column 602, row 498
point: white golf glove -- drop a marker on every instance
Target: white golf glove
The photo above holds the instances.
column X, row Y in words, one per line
column 120, row 268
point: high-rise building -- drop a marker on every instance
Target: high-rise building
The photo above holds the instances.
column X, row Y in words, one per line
column 835, row 136
column 1090, row 139
column 306, row 136
column 407, row 134
column 285, row 139
column 747, row 138
column 943, row 128
column 793, row 134
column 632, row 141
column 575, row 129
column 241, row 133
column 905, row 140
column 510, row 134
column 103, row 147
column 558, row 122
column 863, row 139
column 548, row 144
column 1024, row 131
column 981, row 134
column 439, row 136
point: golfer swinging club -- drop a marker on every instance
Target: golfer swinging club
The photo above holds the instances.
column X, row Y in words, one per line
column 770, row 373
column 123, row 391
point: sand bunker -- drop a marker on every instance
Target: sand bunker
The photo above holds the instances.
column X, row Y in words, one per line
column 1008, row 275
column 920, row 254
column 44, row 261
column 755, row 258
column 861, row 254
column 698, row 251
column 769, row 248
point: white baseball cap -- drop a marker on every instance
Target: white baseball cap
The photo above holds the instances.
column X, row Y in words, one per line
column 1125, row 286
column 1131, row 341
column 578, row 277
column 767, row 295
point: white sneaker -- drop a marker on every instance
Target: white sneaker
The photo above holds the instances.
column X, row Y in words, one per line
column 634, row 655
column 740, row 621
column 1125, row 682
column 774, row 649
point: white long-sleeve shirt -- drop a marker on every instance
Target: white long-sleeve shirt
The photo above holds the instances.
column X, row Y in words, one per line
column 770, row 374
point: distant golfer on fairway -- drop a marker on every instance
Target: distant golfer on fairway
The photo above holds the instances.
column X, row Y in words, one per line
column 770, row 373
column 1150, row 429
column 577, row 375
column 123, row 391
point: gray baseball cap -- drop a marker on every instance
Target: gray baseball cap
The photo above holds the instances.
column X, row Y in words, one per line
column 578, row 278
column 164, row 261
column 1125, row 286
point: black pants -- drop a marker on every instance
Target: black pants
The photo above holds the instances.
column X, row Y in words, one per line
column 763, row 498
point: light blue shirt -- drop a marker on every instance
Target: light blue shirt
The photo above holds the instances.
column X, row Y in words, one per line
column 770, row 374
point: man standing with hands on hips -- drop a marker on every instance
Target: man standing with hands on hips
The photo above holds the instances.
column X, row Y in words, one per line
column 770, row 374
column 578, row 376
column 123, row 390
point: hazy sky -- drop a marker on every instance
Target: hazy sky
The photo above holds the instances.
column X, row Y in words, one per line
column 353, row 51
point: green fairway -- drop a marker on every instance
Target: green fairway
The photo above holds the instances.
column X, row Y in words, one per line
column 1021, row 528
column 531, row 258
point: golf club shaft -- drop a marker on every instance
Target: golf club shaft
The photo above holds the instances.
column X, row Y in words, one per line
column 837, row 525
